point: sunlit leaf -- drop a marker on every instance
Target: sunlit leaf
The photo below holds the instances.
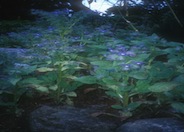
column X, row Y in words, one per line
column 54, row 87
column 71, row 94
column 45, row 69
column 163, row 86
column 40, row 88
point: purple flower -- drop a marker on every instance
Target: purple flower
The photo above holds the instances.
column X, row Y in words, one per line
column 130, row 53
column 126, row 68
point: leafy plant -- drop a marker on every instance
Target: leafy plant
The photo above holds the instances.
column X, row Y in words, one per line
column 12, row 90
column 130, row 72
column 54, row 79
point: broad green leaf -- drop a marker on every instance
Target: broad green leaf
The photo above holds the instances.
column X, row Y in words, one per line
column 142, row 86
column 133, row 106
column 180, row 69
column 86, row 79
column 112, row 94
column 138, row 75
column 48, row 77
column 58, row 63
column 64, row 68
column 54, row 88
column 100, row 73
column 40, row 88
column 27, row 70
column 31, row 81
column 102, row 64
column 163, row 86
column 71, row 94
column 118, row 107
column 141, row 57
column 45, row 69
column 14, row 80
column 179, row 79
column 178, row 106
column 98, row 46
column 110, row 81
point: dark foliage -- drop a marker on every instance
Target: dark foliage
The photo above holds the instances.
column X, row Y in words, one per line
column 157, row 17
column 20, row 9
column 14, row 9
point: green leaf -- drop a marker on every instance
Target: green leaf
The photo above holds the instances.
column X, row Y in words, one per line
column 142, row 86
column 179, row 79
column 40, row 88
column 71, row 94
column 54, row 88
column 163, row 86
column 31, row 81
column 27, row 70
column 138, row 75
column 133, row 106
column 98, row 46
column 178, row 106
column 86, row 79
column 118, row 107
column 45, row 69
column 112, row 94
column 110, row 81
column 141, row 57
column 103, row 64
column 14, row 80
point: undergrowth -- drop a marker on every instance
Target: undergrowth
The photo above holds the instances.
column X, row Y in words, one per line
column 129, row 66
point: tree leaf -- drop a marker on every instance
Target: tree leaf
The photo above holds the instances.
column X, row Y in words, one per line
column 163, row 86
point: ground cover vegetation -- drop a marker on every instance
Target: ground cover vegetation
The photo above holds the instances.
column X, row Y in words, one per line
column 135, row 70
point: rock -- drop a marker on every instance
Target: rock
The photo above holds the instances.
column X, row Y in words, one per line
column 153, row 125
column 68, row 119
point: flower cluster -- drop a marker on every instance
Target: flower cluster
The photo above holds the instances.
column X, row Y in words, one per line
column 126, row 55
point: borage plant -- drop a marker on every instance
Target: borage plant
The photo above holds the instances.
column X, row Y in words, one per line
column 132, row 72
column 54, row 81
column 12, row 90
